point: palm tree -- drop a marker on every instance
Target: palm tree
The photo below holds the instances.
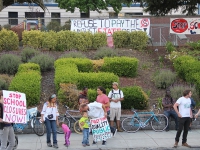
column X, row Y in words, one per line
column 5, row 3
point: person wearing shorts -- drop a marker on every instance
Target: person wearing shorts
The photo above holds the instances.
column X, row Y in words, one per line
column 115, row 96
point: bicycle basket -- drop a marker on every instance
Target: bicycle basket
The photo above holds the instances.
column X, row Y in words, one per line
column 19, row 127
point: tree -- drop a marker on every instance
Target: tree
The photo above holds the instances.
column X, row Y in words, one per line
column 92, row 5
column 5, row 3
column 163, row 7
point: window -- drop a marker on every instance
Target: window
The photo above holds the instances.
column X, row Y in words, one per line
column 49, row 1
column 13, row 18
column 55, row 17
column 85, row 15
column 133, row 14
column 35, row 16
column 113, row 15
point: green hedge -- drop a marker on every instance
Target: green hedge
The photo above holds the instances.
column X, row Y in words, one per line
column 8, row 40
column 121, row 66
column 121, row 39
column 28, row 66
column 99, row 40
column 28, row 83
column 83, row 64
column 134, row 97
column 93, row 80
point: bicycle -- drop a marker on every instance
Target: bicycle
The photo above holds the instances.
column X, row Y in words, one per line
column 66, row 119
column 154, row 108
column 34, row 117
column 132, row 124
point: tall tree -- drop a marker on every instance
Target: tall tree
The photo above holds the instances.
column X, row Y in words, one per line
column 163, row 7
column 92, row 5
column 5, row 3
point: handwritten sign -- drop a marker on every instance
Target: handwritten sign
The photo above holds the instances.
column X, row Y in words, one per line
column 109, row 26
column 100, row 129
column 14, row 104
column 185, row 25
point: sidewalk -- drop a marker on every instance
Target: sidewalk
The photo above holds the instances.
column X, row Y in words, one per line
column 141, row 140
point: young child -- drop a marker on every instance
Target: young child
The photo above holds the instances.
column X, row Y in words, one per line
column 67, row 133
column 84, row 124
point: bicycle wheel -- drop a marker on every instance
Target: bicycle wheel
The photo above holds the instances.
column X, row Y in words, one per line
column 130, row 124
column 38, row 127
column 77, row 129
column 159, row 122
column 65, row 120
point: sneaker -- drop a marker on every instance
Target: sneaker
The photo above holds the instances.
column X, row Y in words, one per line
column 176, row 144
column 49, row 145
column 84, row 145
column 55, row 145
column 114, row 133
column 94, row 142
column 88, row 144
column 119, row 130
column 104, row 143
column 186, row 145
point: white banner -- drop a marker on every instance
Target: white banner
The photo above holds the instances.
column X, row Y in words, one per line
column 110, row 25
column 185, row 25
column 14, row 104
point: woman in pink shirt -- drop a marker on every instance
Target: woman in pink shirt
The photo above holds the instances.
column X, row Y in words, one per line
column 103, row 98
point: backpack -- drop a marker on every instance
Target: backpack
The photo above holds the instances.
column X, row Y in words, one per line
column 116, row 93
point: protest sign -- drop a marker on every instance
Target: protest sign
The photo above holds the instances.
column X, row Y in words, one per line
column 14, row 104
column 185, row 25
column 100, row 129
column 110, row 25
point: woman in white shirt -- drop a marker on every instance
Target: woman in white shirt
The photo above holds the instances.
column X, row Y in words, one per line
column 49, row 116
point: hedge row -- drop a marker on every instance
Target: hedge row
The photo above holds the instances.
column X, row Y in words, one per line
column 121, row 66
column 134, row 97
column 28, row 81
column 8, row 40
column 136, row 39
column 63, row 40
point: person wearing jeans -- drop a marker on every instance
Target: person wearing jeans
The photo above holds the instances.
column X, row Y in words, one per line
column 6, row 130
column 184, row 113
column 49, row 116
column 168, row 103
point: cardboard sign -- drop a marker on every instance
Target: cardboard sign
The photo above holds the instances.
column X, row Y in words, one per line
column 100, row 129
column 185, row 25
column 109, row 26
column 14, row 104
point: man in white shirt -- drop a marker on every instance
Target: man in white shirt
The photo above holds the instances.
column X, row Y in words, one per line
column 115, row 96
column 184, row 113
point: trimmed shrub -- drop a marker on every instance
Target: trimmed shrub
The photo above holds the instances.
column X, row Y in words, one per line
column 33, row 38
column 65, row 74
column 134, row 97
column 121, row 39
column 92, row 95
column 66, row 40
column 93, row 80
column 68, row 95
column 88, row 36
column 121, row 66
column 9, row 40
column 80, row 43
column 49, row 40
column 28, row 53
column 28, row 66
column 73, row 55
column 28, row 83
column 9, row 64
column 83, row 64
column 177, row 91
column 138, row 40
column 164, row 78
column 44, row 61
column 105, row 52
column 99, row 40
column 97, row 64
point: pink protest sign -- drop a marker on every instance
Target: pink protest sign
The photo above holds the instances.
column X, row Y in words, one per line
column 14, row 104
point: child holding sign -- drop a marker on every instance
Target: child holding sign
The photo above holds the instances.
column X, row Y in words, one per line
column 84, row 124
column 67, row 132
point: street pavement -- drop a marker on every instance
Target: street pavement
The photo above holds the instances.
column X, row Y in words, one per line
column 141, row 140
